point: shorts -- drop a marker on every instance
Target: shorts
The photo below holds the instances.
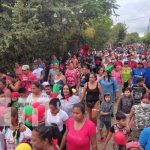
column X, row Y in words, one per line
column 103, row 122
column 91, row 104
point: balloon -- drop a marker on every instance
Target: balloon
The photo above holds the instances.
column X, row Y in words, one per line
column 109, row 68
column 23, row 146
column 24, row 116
column 28, row 110
column 53, row 95
column 2, row 111
column 40, row 110
column 56, row 88
column 33, row 119
column 120, row 138
column 35, row 104
column 27, row 123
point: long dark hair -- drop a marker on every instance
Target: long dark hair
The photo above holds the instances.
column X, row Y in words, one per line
column 55, row 102
column 70, row 91
column 108, row 75
column 48, row 132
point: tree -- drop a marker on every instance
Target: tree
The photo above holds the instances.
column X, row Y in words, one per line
column 102, row 28
column 146, row 39
column 32, row 28
column 132, row 38
column 117, row 34
column 20, row 41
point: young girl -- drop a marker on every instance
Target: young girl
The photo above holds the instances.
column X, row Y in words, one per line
column 15, row 134
column 117, row 75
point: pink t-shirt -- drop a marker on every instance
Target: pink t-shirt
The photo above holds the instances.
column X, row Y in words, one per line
column 79, row 139
column 117, row 76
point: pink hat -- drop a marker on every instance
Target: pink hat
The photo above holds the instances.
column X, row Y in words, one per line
column 14, row 94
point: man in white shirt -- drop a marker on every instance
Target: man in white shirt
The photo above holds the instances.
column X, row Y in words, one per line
column 38, row 72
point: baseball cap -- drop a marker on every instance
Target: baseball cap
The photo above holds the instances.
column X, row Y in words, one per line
column 25, row 67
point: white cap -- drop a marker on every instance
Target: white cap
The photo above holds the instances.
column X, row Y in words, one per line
column 45, row 84
column 25, row 67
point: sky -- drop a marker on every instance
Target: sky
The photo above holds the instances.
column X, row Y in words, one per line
column 135, row 14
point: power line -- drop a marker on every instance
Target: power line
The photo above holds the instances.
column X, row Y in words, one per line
column 133, row 19
column 148, row 26
column 137, row 18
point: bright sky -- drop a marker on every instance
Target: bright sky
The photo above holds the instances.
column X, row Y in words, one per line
column 135, row 14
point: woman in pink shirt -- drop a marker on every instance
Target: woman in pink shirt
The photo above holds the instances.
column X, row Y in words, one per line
column 80, row 131
column 116, row 73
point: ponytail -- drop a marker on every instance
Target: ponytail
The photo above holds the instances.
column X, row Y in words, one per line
column 48, row 132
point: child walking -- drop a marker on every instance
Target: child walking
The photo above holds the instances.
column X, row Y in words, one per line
column 126, row 101
column 121, row 125
column 106, row 112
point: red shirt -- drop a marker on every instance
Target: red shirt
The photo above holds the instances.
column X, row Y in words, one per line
column 97, row 62
column 132, row 64
column 79, row 139
column 118, row 63
column 27, row 80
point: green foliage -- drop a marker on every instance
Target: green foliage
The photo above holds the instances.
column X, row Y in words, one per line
column 132, row 38
column 117, row 34
column 102, row 29
column 42, row 27
column 146, row 38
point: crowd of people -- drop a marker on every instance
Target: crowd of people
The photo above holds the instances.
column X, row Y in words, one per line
column 88, row 99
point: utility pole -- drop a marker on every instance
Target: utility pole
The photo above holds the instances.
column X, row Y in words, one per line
column 148, row 30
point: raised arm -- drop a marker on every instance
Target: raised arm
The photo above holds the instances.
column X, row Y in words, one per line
column 83, row 92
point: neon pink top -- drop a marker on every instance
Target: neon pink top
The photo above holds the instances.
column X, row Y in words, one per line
column 79, row 139
column 117, row 76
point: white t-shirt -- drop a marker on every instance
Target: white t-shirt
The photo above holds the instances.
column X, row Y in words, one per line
column 42, row 99
column 10, row 141
column 67, row 105
column 59, row 119
column 37, row 72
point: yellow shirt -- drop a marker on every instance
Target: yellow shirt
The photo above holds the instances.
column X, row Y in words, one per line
column 126, row 73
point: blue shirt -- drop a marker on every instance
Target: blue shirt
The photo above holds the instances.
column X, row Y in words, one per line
column 136, row 73
column 147, row 76
column 109, row 87
column 144, row 139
